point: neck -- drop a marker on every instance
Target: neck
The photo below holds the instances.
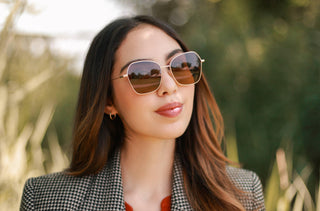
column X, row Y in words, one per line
column 147, row 168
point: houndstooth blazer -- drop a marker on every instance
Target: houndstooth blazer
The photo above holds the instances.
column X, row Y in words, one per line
column 104, row 191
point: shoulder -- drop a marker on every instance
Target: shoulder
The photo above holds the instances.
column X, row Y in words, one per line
column 59, row 191
column 243, row 179
column 59, row 180
column 39, row 191
column 248, row 182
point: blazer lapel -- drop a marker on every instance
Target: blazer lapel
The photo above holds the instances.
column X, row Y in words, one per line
column 106, row 192
column 179, row 200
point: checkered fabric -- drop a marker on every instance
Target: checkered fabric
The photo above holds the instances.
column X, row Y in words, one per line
column 104, row 191
column 248, row 182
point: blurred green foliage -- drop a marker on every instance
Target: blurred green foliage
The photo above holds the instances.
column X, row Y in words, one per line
column 263, row 65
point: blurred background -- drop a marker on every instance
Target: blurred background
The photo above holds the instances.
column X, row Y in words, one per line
column 262, row 62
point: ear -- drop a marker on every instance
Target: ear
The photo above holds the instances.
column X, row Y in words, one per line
column 110, row 109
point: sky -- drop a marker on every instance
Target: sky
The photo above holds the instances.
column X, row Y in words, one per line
column 71, row 23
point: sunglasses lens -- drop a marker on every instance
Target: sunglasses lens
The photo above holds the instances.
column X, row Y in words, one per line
column 186, row 68
column 144, row 76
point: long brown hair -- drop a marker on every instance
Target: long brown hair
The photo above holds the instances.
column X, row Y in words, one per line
column 95, row 136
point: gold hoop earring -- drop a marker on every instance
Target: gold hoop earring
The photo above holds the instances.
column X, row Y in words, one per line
column 112, row 116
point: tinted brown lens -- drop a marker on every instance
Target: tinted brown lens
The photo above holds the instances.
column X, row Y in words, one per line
column 186, row 68
column 144, row 76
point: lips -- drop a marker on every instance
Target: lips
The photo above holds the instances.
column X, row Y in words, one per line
column 170, row 109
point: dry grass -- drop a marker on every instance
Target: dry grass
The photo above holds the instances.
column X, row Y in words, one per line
column 21, row 153
column 283, row 193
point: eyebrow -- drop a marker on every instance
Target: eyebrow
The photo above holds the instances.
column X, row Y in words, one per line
column 169, row 55
column 174, row 52
column 135, row 60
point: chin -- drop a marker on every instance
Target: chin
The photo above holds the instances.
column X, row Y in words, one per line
column 173, row 133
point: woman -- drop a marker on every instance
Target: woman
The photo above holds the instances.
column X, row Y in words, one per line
column 143, row 137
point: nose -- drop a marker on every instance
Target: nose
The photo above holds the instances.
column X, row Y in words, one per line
column 168, row 84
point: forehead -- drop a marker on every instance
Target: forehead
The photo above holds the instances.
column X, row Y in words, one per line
column 145, row 42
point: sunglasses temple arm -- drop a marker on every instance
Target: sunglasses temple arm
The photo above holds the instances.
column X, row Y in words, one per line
column 121, row 76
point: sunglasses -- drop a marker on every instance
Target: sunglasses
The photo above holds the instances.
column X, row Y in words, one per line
column 145, row 76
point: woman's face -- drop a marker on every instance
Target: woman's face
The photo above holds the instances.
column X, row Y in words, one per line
column 160, row 115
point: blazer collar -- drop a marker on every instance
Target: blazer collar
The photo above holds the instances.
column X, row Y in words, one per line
column 114, row 187
column 106, row 190
column 179, row 200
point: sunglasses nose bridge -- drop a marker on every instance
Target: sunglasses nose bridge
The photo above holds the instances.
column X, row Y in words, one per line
column 168, row 83
column 168, row 67
column 168, row 75
column 165, row 66
column 169, row 71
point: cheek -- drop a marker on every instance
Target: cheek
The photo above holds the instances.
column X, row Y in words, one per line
column 134, row 113
column 189, row 95
column 125, row 100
